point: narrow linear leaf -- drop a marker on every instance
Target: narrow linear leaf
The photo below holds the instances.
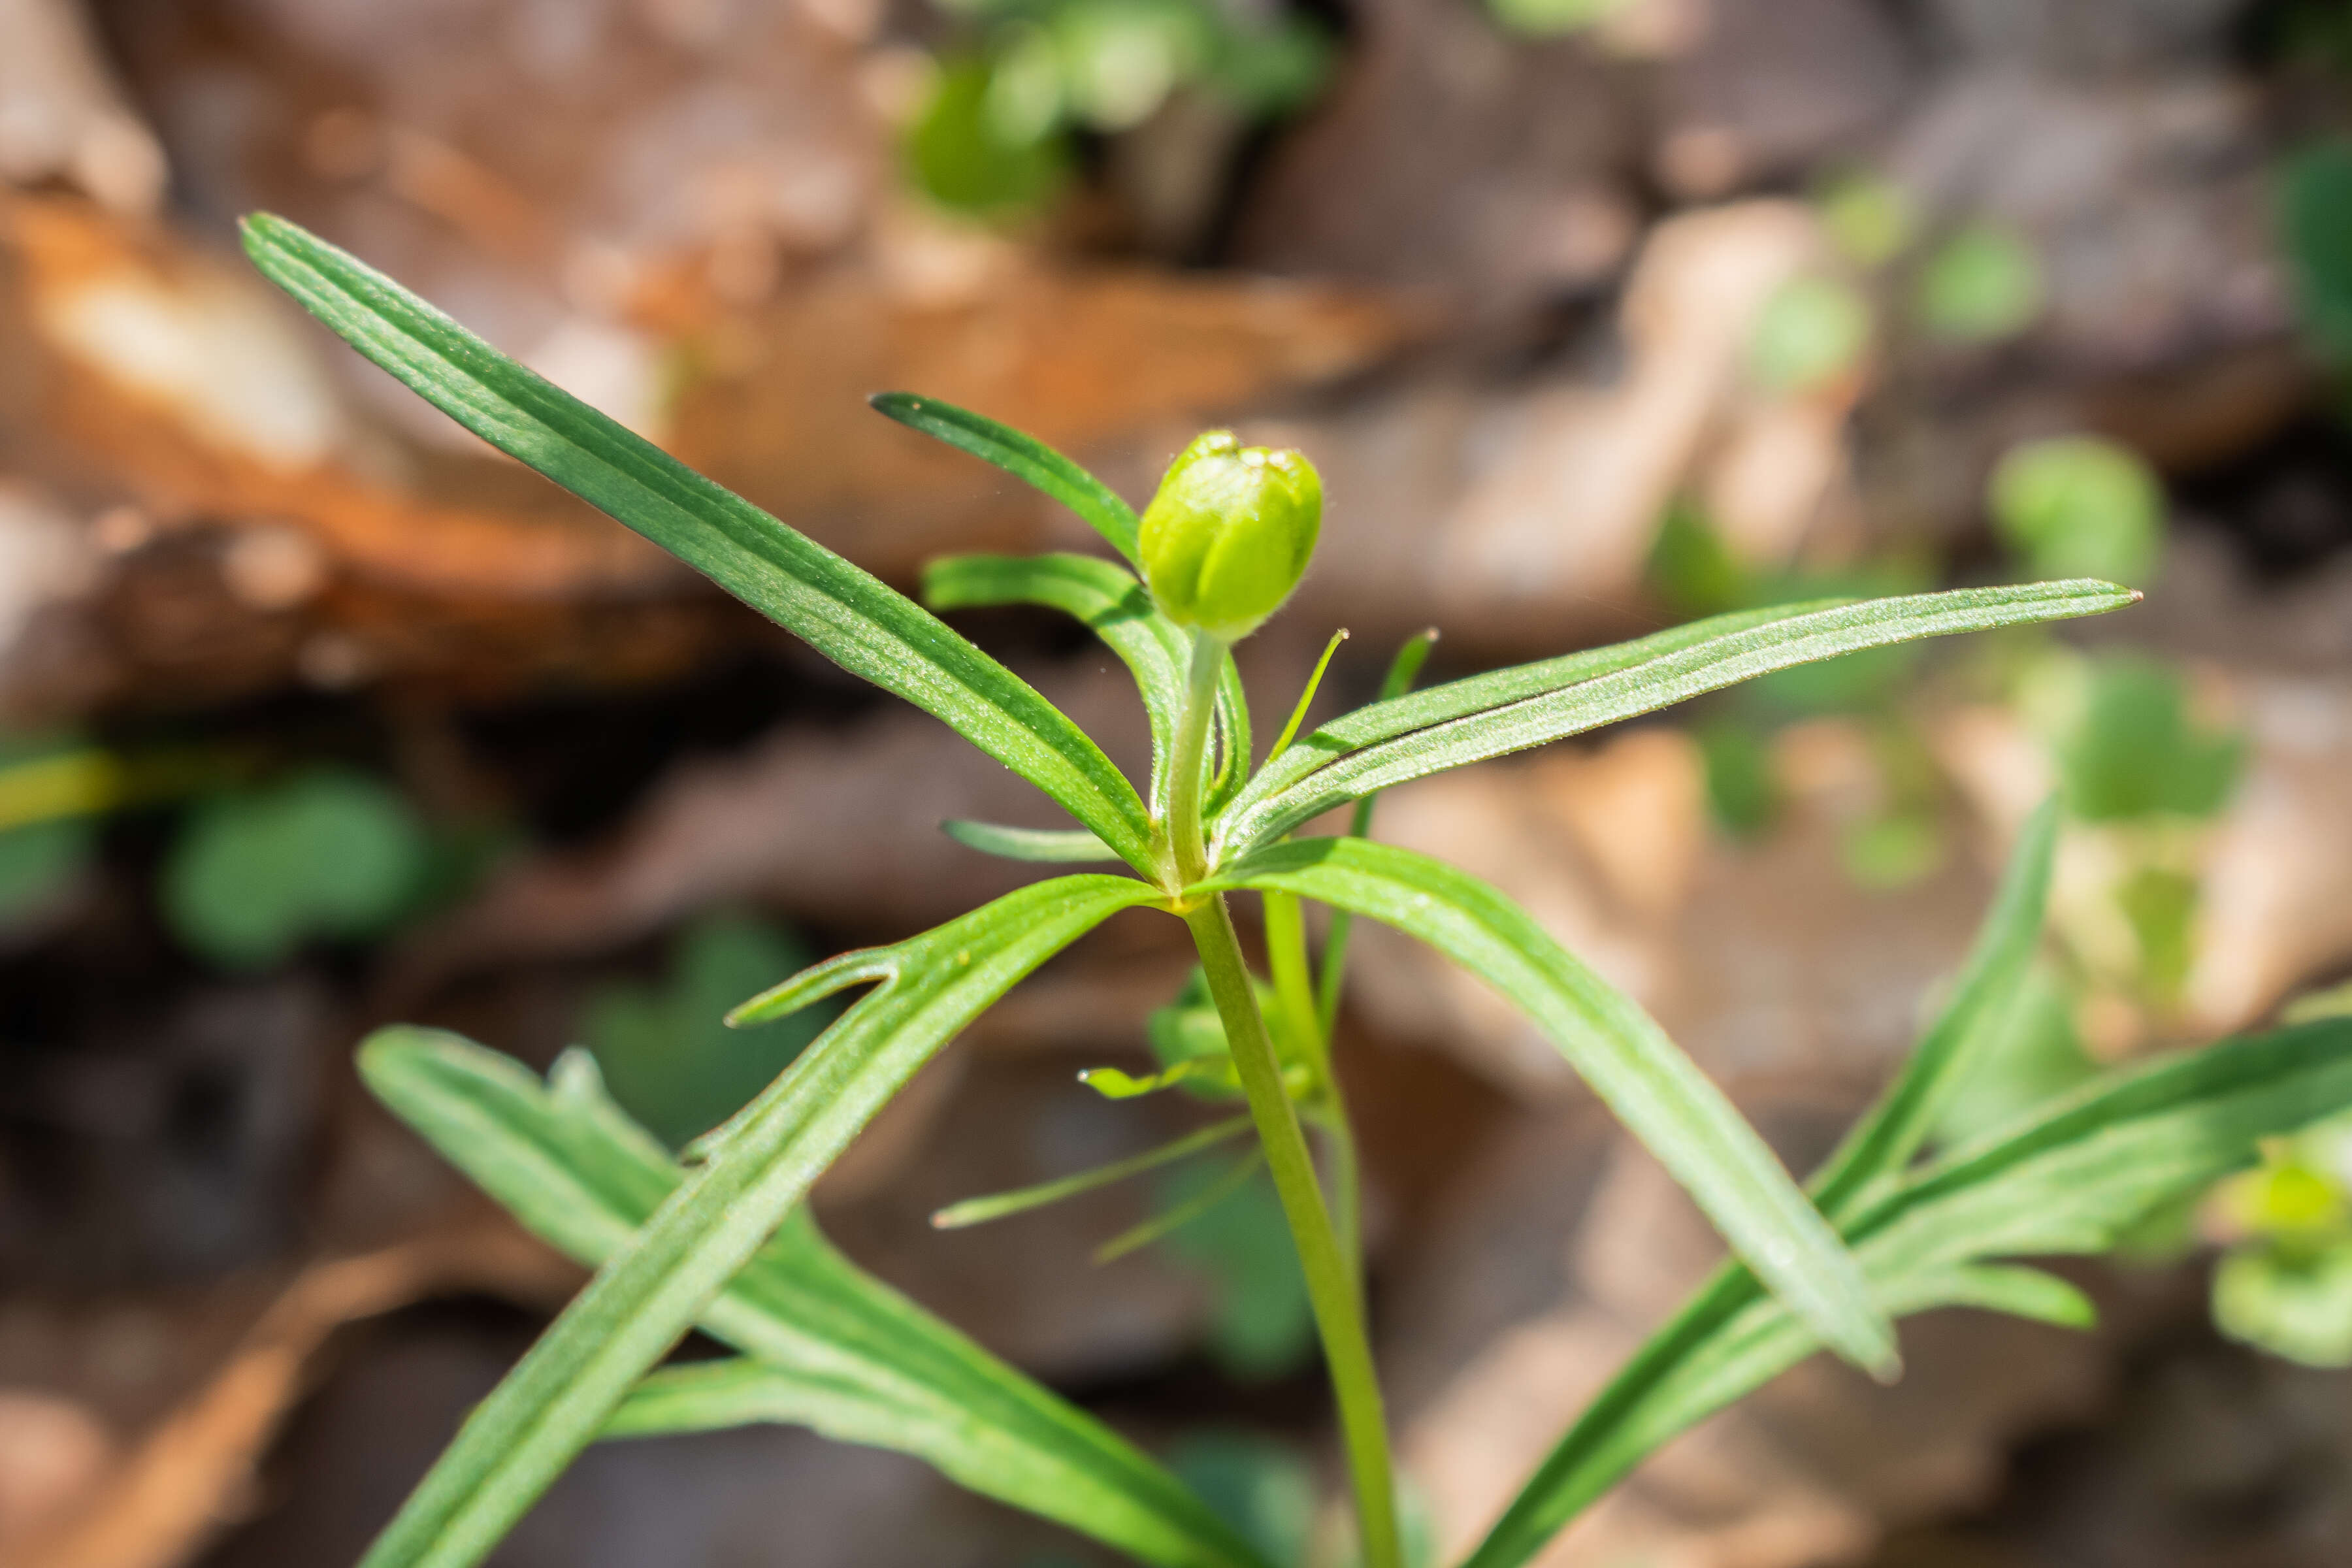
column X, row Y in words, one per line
column 845, row 613
column 827, row 1346
column 1611, row 1431
column 1405, row 667
column 997, row 1206
column 1113, row 1083
column 758, row 1167
column 1027, row 458
column 1754, row 1351
column 1306, row 697
column 1407, row 711
column 1069, row 846
column 1235, row 741
column 1432, row 731
column 744, row 1391
column 1099, row 593
column 1109, row 600
column 1982, row 1004
column 2072, row 1180
column 2022, row 1292
column 1403, row 670
column 1228, row 1181
column 1650, row 1084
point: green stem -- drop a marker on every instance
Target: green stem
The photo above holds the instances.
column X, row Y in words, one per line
column 1294, row 990
column 1330, row 1285
column 1187, row 784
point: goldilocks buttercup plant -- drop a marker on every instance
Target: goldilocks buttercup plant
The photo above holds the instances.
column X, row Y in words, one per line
column 720, row 1240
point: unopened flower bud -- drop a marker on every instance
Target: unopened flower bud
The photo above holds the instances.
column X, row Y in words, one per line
column 1229, row 534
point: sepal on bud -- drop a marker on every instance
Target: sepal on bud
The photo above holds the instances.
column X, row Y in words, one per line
column 1229, row 534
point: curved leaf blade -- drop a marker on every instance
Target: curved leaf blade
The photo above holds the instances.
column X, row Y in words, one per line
column 1119, row 610
column 1027, row 458
column 1041, row 846
column 1627, row 1059
column 1429, row 731
column 1406, row 711
column 994, row 1206
column 826, row 1345
column 1099, row 594
column 1980, row 1007
column 758, row 1167
column 2072, row 1180
column 845, row 613
column 1233, row 743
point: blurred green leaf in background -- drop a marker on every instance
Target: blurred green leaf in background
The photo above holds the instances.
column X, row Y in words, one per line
column 38, row 858
column 994, row 138
column 1261, row 1486
column 665, row 1050
column 1743, row 795
column 1262, row 1325
column 2079, row 506
column 1542, row 18
column 2285, row 1284
column 37, row 862
column 1812, row 331
column 329, row 853
column 50, row 786
column 1870, row 218
column 1981, row 284
column 2126, row 743
column 1692, row 569
column 2022, row 1067
column 973, row 148
column 2315, row 221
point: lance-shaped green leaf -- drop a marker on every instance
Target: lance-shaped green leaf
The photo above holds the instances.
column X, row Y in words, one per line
column 1026, row 457
column 1234, row 741
column 756, row 1168
column 826, row 1345
column 1982, row 1007
column 1102, row 595
column 1212, row 1073
column 1869, row 1158
column 1490, row 716
column 1110, row 601
column 2073, row 1179
column 845, row 613
column 1405, row 712
column 1046, row 845
column 1650, row 1084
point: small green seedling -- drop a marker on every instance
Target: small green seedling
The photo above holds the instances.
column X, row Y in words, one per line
column 1983, row 284
column 2079, row 504
column 993, row 135
column 722, row 1240
column 329, row 852
column 1813, row 331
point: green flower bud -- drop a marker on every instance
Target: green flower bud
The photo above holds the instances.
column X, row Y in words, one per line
column 1228, row 536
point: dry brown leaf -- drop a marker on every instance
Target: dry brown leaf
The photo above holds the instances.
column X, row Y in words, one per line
column 189, row 1476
